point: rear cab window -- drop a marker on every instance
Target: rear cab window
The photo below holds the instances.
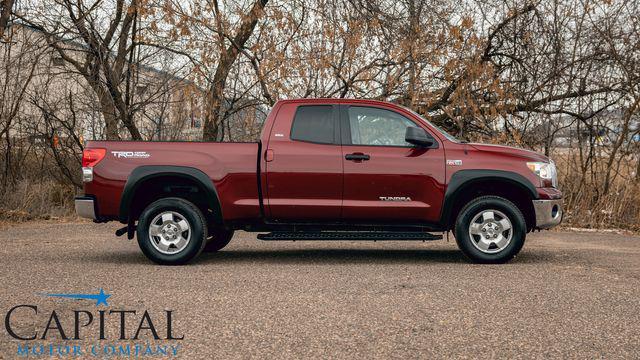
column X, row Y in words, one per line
column 315, row 124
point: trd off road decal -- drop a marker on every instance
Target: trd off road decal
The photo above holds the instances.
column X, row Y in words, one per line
column 131, row 154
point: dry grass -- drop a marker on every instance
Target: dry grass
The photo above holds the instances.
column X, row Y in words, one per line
column 618, row 209
column 588, row 206
column 33, row 199
column 36, row 188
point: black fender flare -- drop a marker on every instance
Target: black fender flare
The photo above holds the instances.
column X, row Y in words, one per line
column 462, row 179
column 147, row 172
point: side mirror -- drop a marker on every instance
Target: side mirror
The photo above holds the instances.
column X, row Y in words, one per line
column 419, row 137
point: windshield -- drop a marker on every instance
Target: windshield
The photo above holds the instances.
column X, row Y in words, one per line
column 439, row 129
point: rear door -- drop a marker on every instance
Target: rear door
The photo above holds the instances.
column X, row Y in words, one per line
column 386, row 178
column 304, row 164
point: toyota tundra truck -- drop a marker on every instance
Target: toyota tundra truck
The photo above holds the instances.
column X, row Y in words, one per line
column 323, row 169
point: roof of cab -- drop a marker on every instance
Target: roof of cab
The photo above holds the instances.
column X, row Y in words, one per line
column 336, row 101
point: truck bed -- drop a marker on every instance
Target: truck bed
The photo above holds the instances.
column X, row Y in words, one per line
column 231, row 166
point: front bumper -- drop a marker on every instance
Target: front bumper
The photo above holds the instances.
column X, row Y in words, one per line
column 548, row 213
column 86, row 207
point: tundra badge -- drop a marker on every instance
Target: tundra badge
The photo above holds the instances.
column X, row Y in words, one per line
column 394, row 198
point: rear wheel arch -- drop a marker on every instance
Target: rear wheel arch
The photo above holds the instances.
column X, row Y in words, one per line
column 467, row 185
column 149, row 183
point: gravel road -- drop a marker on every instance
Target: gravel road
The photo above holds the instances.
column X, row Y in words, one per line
column 568, row 295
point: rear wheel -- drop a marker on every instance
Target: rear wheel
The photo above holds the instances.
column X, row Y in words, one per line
column 218, row 239
column 171, row 231
column 490, row 229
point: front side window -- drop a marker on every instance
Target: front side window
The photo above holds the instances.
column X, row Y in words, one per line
column 377, row 127
column 314, row 124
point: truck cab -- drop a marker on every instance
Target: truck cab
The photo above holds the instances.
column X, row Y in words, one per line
column 324, row 169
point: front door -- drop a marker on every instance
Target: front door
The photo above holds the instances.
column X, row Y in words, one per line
column 386, row 178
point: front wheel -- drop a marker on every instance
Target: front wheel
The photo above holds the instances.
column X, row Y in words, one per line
column 171, row 231
column 490, row 229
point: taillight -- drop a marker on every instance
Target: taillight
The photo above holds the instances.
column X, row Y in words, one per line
column 91, row 157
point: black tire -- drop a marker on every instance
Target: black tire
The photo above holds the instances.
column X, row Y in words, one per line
column 197, row 230
column 466, row 241
column 218, row 239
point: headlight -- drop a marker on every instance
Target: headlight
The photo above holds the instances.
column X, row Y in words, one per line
column 546, row 171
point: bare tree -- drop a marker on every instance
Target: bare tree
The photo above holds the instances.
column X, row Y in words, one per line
column 101, row 54
column 6, row 7
column 19, row 60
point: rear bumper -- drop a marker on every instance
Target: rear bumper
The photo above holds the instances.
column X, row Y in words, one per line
column 86, row 207
column 548, row 213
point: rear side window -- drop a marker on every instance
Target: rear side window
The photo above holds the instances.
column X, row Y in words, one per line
column 314, row 123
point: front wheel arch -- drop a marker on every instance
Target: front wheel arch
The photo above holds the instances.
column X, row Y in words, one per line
column 468, row 185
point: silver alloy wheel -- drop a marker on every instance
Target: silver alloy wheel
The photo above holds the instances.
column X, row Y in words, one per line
column 490, row 231
column 169, row 232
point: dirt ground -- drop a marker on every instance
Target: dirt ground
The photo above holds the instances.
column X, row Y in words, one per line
column 568, row 294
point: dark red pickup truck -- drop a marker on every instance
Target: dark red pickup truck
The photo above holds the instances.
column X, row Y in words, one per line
column 324, row 169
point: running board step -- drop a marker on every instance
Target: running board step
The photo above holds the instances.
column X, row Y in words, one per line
column 348, row 235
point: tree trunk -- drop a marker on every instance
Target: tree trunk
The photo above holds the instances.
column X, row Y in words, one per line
column 215, row 94
column 111, row 125
column 128, row 122
column 108, row 110
column 214, row 99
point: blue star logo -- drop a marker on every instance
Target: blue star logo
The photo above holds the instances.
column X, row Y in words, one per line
column 100, row 298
